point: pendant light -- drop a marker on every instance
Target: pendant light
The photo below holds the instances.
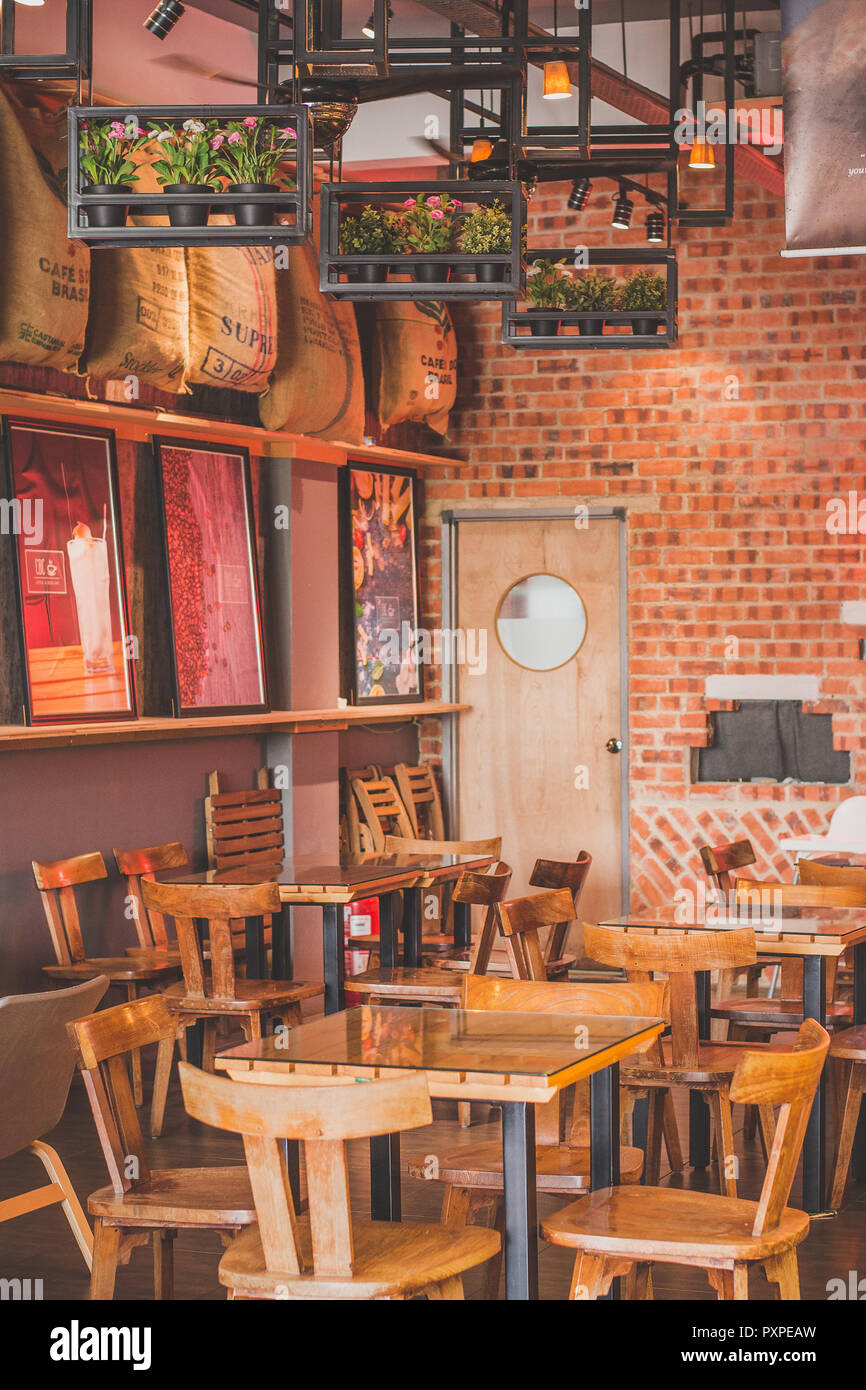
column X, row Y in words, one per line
column 702, row 156
column 482, row 147
column 557, row 83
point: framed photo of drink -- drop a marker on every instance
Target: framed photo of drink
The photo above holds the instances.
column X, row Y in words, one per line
column 210, row 548
column 62, row 502
column 382, row 657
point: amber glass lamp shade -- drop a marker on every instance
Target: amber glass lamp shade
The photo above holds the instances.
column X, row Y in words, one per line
column 702, row 156
column 557, row 83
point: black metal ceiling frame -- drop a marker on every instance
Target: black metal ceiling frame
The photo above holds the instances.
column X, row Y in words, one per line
column 75, row 64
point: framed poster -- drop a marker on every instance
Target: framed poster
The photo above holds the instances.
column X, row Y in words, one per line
column 63, row 507
column 380, row 546
column 210, row 546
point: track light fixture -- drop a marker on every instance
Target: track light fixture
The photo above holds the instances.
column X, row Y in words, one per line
column 162, row 20
column 622, row 211
column 369, row 29
column 579, row 195
column 655, row 227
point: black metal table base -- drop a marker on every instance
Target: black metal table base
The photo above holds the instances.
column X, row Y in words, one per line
column 521, row 1218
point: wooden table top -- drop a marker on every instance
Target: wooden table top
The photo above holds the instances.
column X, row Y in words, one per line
column 465, row 1053
column 312, row 879
column 794, row 931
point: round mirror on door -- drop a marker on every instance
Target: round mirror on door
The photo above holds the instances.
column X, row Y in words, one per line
column 541, row 622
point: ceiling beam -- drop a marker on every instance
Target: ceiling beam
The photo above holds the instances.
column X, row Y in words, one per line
column 482, row 18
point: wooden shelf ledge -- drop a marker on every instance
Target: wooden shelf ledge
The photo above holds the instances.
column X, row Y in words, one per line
column 18, row 737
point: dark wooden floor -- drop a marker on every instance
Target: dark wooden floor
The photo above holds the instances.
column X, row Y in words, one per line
column 41, row 1246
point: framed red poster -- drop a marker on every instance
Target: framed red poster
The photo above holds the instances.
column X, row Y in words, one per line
column 63, row 504
column 210, row 543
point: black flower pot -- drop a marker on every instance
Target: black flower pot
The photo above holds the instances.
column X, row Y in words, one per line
column 489, row 274
column 372, row 274
column 105, row 214
column 186, row 214
column 543, row 323
column 649, row 326
column 431, row 273
column 253, row 214
column 590, row 326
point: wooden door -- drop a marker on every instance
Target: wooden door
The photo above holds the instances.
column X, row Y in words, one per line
column 532, row 758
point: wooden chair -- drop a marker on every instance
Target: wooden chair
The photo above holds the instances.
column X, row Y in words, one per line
column 136, row 864
column 429, row 985
column 682, row 1059
column 815, row 874
column 442, row 943
column 328, row 1254
column 556, row 873
column 381, row 810
column 142, row 1204
column 763, row 1017
column 473, row 1175
column 721, row 863
column 420, row 795
column 521, row 922
column 36, row 1070
column 625, row 1230
column 246, row 827
column 212, row 989
column 848, row 1050
column 57, row 882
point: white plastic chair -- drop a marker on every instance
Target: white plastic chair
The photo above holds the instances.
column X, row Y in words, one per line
column 846, row 833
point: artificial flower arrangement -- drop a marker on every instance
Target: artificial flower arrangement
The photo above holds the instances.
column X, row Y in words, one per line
column 428, row 224
column 106, row 150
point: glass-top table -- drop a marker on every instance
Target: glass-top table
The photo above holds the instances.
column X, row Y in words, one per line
column 331, row 884
column 516, row 1060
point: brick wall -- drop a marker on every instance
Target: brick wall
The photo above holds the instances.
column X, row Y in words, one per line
column 725, row 483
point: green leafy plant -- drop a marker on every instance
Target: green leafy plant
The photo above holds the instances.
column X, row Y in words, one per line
column 252, row 150
column 187, row 156
column 486, row 231
column 644, row 290
column 427, row 223
column 546, row 285
column 592, row 293
column 374, row 233
column 106, row 148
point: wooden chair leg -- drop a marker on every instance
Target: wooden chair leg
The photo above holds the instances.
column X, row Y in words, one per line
column 722, row 1280
column 672, row 1134
column 456, row 1206
column 464, row 1113
column 655, row 1122
column 106, row 1252
column 784, row 1271
column 720, row 1107
column 850, row 1116
column 163, row 1264
column 135, row 1058
column 494, row 1264
column 750, row 1122
column 741, row 1282
column 449, row 1288
column 767, row 1117
column 586, row 1278
column 208, row 1043
column 642, row 1281
column 161, row 1078
column 72, row 1208
column 252, row 1026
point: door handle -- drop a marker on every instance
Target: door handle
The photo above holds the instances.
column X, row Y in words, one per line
column 614, row 745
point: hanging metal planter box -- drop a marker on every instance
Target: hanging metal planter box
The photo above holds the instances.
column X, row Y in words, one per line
column 450, row 274
column 263, row 214
column 525, row 327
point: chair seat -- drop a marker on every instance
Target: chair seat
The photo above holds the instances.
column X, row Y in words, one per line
column 254, row 996
column 786, row 1013
column 850, row 1044
column 717, row 1062
column 119, row 969
column 181, row 1197
column 670, row 1225
column 560, row 1170
column 403, row 982
column 390, row 1259
column 154, row 953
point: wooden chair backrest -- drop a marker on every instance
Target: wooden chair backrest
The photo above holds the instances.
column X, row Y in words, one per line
column 102, row 1043
column 789, row 1080
column 225, row 908
column 483, row 890
column 645, row 1000
column 831, row 875
column 246, row 827
column 769, row 894
column 417, row 786
column 720, row 862
column 136, row 864
column 333, row 1114
column 522, row 919
column 398, row 844
column 56, row 882
column 679, row 955
column 561, row 873
column 36, row 1059
column 381, row 809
